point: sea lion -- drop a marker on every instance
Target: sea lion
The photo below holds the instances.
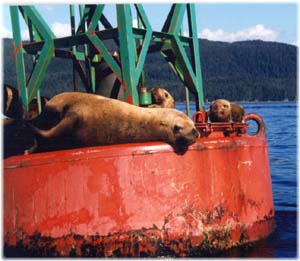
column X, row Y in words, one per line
column 237, row 112
column 15, row 136
column 12, row 104
column 161, row 98
column 90, row 120
column 219, row 111
column 222, row 110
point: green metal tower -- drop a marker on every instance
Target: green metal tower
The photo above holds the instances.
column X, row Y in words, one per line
column 85, row 46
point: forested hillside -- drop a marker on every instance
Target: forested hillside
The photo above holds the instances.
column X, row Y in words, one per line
column 240, row 71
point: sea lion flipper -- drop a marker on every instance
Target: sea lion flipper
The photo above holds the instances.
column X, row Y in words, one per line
column 65, row 125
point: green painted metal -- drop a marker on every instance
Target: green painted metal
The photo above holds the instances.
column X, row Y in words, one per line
column 183, row 65
column 74, row 49
column 100, row 47
column 42, row 31
column 187, row 103
column 127, row 53
column 145, row 97
column 18, row 52
column 146, row 42
column 133, row 44
column 142, row 78
column 195, row 53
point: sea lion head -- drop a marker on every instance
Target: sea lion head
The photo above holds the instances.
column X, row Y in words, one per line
column 183, row 133
column 162, row 98
column 237, row 112
column 219, row 111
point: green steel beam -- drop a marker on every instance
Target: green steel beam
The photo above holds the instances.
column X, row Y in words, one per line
column 132, row 62
column 18, row 52
column 191, row 73
column 145, row 43
column 81, row 38
column 74, row 49
column 195, row 54
column 167, row 23
column 177, row 18
column 102, row 50
column 168, row 41
column 127, row 53
column 41, row 26
column 46, row 53
column 99, row 45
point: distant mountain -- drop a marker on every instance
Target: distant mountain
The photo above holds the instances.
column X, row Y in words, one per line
column 239, row 71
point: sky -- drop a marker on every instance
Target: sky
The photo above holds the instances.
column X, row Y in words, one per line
column 220, row 21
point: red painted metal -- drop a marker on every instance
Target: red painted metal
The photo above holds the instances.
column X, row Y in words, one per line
column 140, row 199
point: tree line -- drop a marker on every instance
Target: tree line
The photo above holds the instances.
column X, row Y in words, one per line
column 239, row 71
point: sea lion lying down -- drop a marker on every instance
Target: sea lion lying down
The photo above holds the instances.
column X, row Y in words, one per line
column 90, row 120
column 222, row 110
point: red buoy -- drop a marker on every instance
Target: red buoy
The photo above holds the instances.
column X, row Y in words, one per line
column 138, row 199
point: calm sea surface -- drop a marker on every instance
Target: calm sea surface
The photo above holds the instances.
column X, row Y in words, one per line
column 281, row 126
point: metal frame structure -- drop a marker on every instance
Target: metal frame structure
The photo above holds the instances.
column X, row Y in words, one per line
column 133, row 46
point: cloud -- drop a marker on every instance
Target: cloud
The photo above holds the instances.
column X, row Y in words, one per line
column 61, row 29
column 49, row 7
column 295, row 43
column 25, row 34
column 135, row 23
column 257, row 32
column 5, row 33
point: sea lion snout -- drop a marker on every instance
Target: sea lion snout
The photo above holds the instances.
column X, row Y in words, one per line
column 195, row 133
column 192, row 136
column 188, row 135
column 185, row 134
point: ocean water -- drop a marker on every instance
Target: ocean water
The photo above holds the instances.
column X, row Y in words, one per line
column 281, row 127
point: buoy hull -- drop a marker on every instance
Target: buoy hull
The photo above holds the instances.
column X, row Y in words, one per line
column 138, row 199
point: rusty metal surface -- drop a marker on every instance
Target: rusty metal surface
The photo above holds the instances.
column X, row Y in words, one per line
column 139, row 199
column 151, row 242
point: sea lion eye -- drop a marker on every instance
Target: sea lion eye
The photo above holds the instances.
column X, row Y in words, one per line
column 166, row 95
column 177, row 128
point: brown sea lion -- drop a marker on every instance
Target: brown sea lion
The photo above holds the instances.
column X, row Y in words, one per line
column 161, row 98
column 12, row 104
column 222, row 110
column 219, row 111
column 237, row 112
column 90, row 120
column 15, row 136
